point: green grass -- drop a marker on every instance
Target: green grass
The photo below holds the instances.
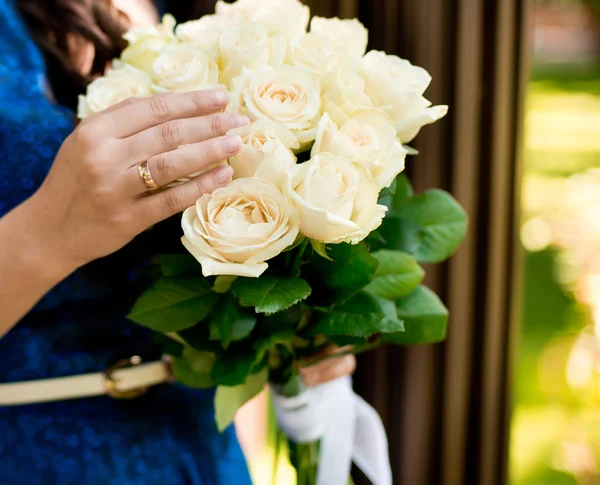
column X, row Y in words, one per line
column 551, row 418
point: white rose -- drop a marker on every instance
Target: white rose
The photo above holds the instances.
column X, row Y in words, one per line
column 410, row 112
column 238, row 10
column 118, row 85
column 249, row 47
column 397, row 86
column 237, row 228
column 368, row 140
column 286, row 17
column 287, row 95
column 266, row 151
column 383, row 72
column 344, row 95
column 315, row 54
column 204, row 33
column 348, row 37
column 182, row 68
column 146, row 43
column 336, row 201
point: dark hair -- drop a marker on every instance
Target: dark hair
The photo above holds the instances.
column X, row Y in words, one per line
column 62, row 27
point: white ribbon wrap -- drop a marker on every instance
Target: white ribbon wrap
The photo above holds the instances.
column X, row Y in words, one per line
column 350, row 430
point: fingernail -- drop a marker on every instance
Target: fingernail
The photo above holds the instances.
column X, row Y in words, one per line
column 237, row 121
column 219, row 98
column 223, row 175
column 232, row 143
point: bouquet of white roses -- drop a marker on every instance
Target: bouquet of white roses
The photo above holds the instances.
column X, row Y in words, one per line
column 318, row 239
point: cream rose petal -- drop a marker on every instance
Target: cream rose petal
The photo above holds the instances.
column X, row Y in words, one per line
column 394, row 166
column 344, row 95
column 348, row 36
column 205, row 33
column 145, row 44
column 368, row 139
column 286, row 17
column 287, row 95
column 237, row 228
column 410, row 112
column 211, row 267
column 304, row 184
column 183, row 68
column 266, row 151
column 118, row 85
column 367, row 216
column 384, row 73
column 321, row 225
column 249, row 47
column 316, row 54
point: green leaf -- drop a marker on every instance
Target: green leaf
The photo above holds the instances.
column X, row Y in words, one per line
column 223, row 283
column 344, row 340
column 398, row 274
column 174, row 303
column 430, row 226
column 320, row 248
column 361, row 316
column 233, row 369
column 270, row 294
column 198, row 337
column 299, row 240
column 425, row 319
column 410, row 150
column 228, row 323
column 176, row 264
column 390, row 318
column 404, row 190
column 228, row 400
column 174, row 349
column 193, row 368
column 287, row 320
column 375, row 239
column 351, row 269
column 391, row 190
column 280, row 337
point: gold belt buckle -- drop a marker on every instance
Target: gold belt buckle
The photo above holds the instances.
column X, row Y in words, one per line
column 110, row 384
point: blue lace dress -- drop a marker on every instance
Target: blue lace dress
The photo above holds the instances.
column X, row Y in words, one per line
column 167, row 437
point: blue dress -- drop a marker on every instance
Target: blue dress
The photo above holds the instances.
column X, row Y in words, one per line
column 167, row 437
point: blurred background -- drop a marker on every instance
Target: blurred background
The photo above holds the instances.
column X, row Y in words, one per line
column 555, row 435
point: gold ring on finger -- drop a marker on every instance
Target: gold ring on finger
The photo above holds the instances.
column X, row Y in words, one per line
column 146, row 176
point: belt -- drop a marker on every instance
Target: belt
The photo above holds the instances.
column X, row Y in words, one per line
column 127, row 379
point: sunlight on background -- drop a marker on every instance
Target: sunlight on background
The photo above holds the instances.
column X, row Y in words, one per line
column 556, row 424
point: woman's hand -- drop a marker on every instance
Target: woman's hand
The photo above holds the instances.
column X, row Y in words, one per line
column 93, row 201
column 329, row 369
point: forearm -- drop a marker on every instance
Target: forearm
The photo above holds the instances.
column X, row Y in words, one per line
column 30, row 264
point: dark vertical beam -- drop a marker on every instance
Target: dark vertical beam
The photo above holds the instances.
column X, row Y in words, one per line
column 461, row 269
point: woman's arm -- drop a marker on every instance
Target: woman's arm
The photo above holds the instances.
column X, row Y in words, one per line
column 30, row 264
column 93, row 201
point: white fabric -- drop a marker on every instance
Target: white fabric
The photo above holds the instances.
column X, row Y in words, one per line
column 350, row 430
column 85, row 385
